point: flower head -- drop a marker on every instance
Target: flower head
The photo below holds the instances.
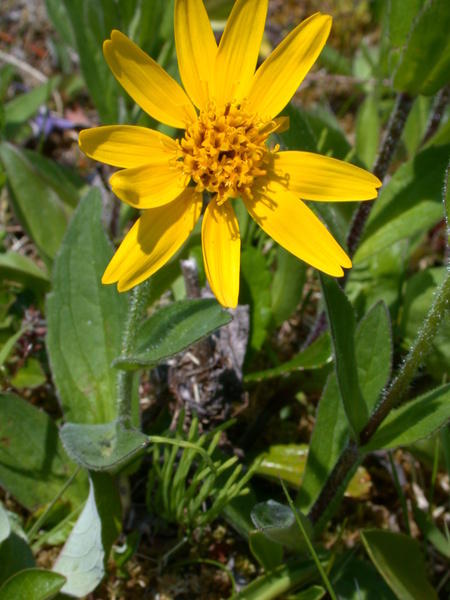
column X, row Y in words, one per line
column 227, row 115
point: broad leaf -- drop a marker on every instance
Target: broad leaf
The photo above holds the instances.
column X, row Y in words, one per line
column 33, row 466
column 373, row 347
column 287, row 285
column 278, row 523
column 255, row 291
column 37, row 204
column 329, row 437
column 101, row 447
column 399, row 560
column 32, row 584
column 173, row 329
column 269, row 554
column 83, row 558
column 288, row 461
column 357, row 579
column 85, row 320
column 401, row 17
column 20, row 268
column 300, row 135
column 409, row 204
column 15, row 555
column 341, row 320
column 425, row 62
column 413, row 421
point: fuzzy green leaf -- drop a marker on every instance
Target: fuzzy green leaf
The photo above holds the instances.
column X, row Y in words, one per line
column 85, row 319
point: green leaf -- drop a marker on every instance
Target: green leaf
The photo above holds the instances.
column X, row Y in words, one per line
column 409, row 204
column 5, row 526
column 102, row 447
column 277, row 582
column 285, row 461
column 413, row 421
column 92, row 23
column 269, row 554
column 329, row 437
column 20, row 268
column 32, row 584
column 399, row 560
column 277, row 522
column 358, row 580
column 37, row 204
column 299, row 136
column 418, row 297
column 401, row 17
column 172, row 329
column 432, row 533
column 83, row 558
column 85, row 319
column 24, row 106
column 8, row 346
column 31, row 375
column 287, row 285
column 331, row 140
column 314, row 356
column 425, row 62
column 67, row 183
column 368, row 130
column 373, row 348
column 341, row 320
column 255, row 291
column 33, row 466
column 315, row 592
column 15, row 555
column 416, row 124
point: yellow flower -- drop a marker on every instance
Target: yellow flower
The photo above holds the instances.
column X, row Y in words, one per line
column 227, row 114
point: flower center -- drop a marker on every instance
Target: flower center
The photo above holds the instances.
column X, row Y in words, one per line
column 224, row 151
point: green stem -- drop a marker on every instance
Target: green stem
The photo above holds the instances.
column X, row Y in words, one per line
column 313, row 553
column 350, row 456
column 138, row 304
column 397, row 389
column 41, row 520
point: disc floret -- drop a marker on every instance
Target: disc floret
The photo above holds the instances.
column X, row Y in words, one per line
column 223, row 151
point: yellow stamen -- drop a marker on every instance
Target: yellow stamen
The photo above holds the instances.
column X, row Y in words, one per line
column 224, row 151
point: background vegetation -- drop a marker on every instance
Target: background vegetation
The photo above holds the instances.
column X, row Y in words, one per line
column 297, row 447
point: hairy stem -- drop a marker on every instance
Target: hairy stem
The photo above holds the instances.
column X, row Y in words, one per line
column 350, row 456
column 398, row 387
column 437, row 113
column 138, row 303
column 388, row 147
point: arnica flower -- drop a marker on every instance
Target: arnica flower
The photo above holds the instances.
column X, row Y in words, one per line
column 227, row 113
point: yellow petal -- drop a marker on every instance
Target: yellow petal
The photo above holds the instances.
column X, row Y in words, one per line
column 238, row 50
column 153, row 240
column 277, row 79
column 146, row 82
column 196, row 49
column 316, row 177
column 149, row 186
column 295, row 227
column 221, row 245
column 127, row 145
